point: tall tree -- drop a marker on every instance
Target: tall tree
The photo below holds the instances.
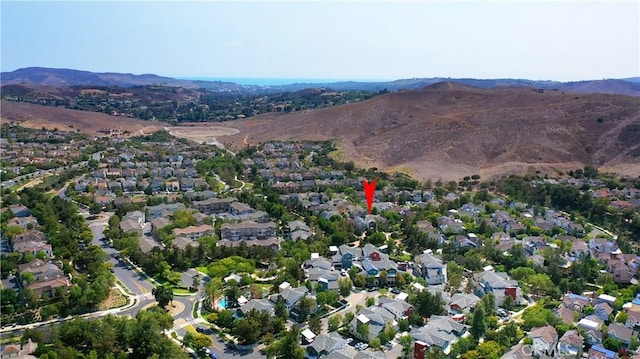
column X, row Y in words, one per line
column 212, row 289
column 478, row 327
column 164, row 295
column 363, row 331
column 315, row 324
column 407, row 345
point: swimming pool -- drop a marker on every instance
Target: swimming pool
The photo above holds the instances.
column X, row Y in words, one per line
column 223, row 303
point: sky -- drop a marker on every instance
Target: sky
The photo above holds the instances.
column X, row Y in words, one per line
column 538, row 40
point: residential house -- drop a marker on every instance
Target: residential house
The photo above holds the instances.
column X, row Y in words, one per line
column 375, row 262
column 250, row 232
column 163, row 210
column 591, row 326
column 47, row 277
column 19, row 351
column 375, row 318
column 518, row 351
column 598, row 352
column 462, row 303
column 261, row 305
column 19, row 211
column 214, row 205
column 299, row 230
column 440, row 331
column 346, row 256
column 291, row 296
column 545, row 340
column 130, row 225
column 431, row 268
column 32, row 241
column 570, row 345
column 633, row 318
column 620, row 333
column 575, row 302
column 158, row 223
column 193, row 232
column 324, row 345
column 398, row 307
column 566, row 314
column 28, row 222
column 498, row 283
column 603, row 310
column 183, row 242
column 137, row 216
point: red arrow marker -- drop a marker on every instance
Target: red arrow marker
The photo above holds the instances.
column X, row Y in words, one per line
column 369, row 190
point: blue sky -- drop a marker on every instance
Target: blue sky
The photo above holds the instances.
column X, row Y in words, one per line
column 540, row 40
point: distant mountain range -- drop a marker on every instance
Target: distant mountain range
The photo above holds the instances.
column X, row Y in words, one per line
column 69, row 77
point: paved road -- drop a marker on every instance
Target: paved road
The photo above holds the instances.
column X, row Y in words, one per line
column 129, row 278
column 41, row 173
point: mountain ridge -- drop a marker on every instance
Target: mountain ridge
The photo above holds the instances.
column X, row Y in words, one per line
column 71, row 77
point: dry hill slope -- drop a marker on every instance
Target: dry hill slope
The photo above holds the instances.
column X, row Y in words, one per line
column 36, row 116
column 449, row 130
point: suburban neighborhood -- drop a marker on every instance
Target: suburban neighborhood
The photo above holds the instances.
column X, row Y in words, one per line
column 272, row 250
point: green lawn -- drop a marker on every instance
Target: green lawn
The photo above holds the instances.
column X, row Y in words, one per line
column 203, row 270
column 181, row 291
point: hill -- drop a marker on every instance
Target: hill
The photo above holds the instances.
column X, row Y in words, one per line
column 613, row 86
column 69, row 77
column 91, row 123
column 449, row 130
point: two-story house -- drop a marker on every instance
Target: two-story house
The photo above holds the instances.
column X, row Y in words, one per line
column 545, row 340
column 498, row 283
column 430, row 268
column 570, row 345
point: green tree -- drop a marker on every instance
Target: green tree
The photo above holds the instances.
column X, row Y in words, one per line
column 163, row 295
column 363, row 331
column 348, row 318
column 407, row 346
column 375, row 343
column 478, row 326
column 508, row 302
column 212, row 289
column 288, row 346
column 344, row 286
column 281, row 309
column 370, row 301
column 232, row 294
column 195, row 281
column 315, row 324
column 305, row 305
column 246, row 330
column 334, row 322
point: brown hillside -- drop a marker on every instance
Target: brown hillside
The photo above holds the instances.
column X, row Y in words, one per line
column 36, row 116
column 450, row 130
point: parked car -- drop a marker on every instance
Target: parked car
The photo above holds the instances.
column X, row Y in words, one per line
column 395, row 291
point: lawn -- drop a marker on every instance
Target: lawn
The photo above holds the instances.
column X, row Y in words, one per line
column 181, row 291
column 203, row 270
